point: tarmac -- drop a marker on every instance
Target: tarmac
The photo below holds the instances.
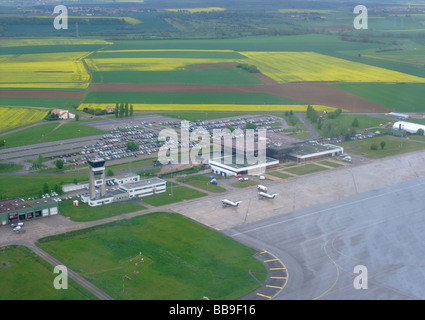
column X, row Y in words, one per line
column 311, row 228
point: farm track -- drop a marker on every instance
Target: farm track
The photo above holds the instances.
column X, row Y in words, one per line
column 314, row 93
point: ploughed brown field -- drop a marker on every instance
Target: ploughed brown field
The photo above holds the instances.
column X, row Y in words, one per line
column 314, row 93
column 42, row 94
column 310, row 92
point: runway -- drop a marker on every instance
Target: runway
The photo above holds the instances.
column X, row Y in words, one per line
column 381, row 230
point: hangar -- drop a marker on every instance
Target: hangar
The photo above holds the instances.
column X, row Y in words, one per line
column 409, row 127
column 16, row 210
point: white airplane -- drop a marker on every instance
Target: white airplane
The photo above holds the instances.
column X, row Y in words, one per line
column 227, row 203
column 263, row 195
column 262, row 188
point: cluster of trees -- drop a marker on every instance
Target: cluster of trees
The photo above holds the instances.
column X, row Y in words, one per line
column 51, row 116
column 37, row 164
column 123, row 110
column 374, row 146
column 133, row 146
column 248, row 67
column 48, row 189
column 95, row 112
column 312, row 115
column 331, row 129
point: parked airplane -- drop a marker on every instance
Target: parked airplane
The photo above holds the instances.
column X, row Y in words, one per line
column 262, row 188
column 263, row 195
column 227, row 203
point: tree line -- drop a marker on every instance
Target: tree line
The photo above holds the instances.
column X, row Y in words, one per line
column 123, row 110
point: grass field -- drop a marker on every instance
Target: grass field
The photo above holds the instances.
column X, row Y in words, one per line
column 202, row 182
column 208, row 76
column 178, row 98
column 279, row 174
column 305, row 169
column 25, row 186
column 406, row 97
column 25, row 276
column 83, row 212
column 52, row 131
column 9, row 167
column 394, row 146
column 174, row 193
column 345, row 120
column 181, row 259
column 47, row 103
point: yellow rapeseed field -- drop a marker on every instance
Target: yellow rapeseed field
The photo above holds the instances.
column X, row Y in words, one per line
column 310, row 66
column 13, row 117
column 46, row 70
column 146, row 64
column 211, row 107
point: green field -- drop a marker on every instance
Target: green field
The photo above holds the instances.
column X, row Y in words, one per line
column 9, row 167
column 202, row 182
column 394, row 146
column 399, row 97
column 279, row 174
column 174, row 193
column 83, row 212
column 40, row 102
column 305, row 169
column 209, row 76
column 52, row 131
column 188, row 98
column 182, row 260
column 25, row 276
column 25, row 186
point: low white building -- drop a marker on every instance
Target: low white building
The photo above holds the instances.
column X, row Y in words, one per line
column 409, row 127
column 110, row 181
column 139, row 189
column 313, row 150
column 231, row 168
column 63, row 114
column 144, row 188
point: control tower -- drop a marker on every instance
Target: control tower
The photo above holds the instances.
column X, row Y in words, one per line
column 96, row 177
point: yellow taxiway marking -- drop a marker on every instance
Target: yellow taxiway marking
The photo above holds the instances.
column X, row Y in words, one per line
column 270, row 260
column 263, row 295
column 279, row 277
column 274, row 286
column 277, row 268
